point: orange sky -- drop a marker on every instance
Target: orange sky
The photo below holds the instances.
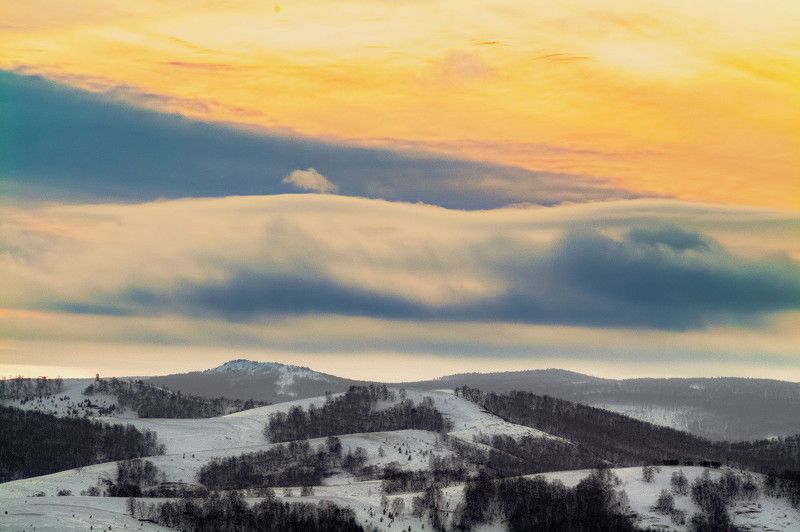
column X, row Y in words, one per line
column 700, row 101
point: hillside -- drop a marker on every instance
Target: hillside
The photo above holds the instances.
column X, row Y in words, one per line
column 262, row 381
column 724, row 408
column 390, row 480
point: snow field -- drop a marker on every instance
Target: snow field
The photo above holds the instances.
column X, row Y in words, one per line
column 193, row 442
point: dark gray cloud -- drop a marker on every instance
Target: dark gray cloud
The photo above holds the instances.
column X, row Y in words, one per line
column 64, row 144
column 661, row 278
column 248, row 294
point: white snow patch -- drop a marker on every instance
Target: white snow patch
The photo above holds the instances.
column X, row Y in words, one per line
column 470, row 420
column 71, row 402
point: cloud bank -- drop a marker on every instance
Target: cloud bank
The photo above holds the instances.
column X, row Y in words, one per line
column 628, row 264
column 665, row 284
column 65, row 144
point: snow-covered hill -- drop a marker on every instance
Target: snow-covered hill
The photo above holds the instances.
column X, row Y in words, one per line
column 249, row 379
column 71, row 401
column 252, row 367
column 191, row 443
column 730, row 409
column 286, row 374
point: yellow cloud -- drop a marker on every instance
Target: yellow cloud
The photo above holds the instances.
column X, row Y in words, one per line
column 694, row 100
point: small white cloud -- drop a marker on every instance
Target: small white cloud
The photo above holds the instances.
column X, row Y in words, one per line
column 310, row 179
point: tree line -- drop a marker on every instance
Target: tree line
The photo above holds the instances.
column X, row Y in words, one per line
column 531, row 454
column 535, row 504
column 613, row 437
column 294, row 464
column 231, row 513
column 133, row 477
column 24, row 389
column 786, row 484
column 624, row 441
column 33, row 444
column 151, row 401
column 779, row 454
column 354, row 412
column 441, row 471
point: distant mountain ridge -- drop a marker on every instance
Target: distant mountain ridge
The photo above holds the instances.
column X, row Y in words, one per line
column 718, row 408
column 249, row 379
column 252, row 367
column 721, row 408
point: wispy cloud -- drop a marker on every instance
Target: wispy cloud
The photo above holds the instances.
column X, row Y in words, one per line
column 219, row 67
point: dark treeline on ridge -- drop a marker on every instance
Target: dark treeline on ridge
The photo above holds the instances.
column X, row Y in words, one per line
column 619, row 439
column 529, row 454
column 354, row 412
column 441, row 471
column 535, row 504
column 151, row 401
column 231, row 513
column 33, row 444
column 780, row 454
column 294, row 464
column 24, row 389
column 624, row 441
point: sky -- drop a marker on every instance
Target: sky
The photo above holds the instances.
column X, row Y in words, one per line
column 400, row 190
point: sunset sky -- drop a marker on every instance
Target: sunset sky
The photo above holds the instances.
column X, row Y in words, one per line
column 403, row 189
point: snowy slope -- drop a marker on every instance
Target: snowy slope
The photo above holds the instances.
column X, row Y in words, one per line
column 61, row 514
column 764, row 514
column 683, row 418
column 193, row 442
column 70, row 401
column 252, row 367
column 55, row 513
column 286, row 374
column 397, row 446
column 249, row 379
column 470, row 420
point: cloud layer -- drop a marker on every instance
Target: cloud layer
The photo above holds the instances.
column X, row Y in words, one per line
column 629, row 264
column 66, row 144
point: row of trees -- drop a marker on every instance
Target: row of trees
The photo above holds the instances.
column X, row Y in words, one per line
column 441, row 471
column 295, row 464
column 625, row 441
column 353, row 412
column 779, row 454
column 612, row 437
column 714, row 497
column 230, row 513
column 33, row 444
column 133, row 477
column 151, row 401
column 535, row 504
column 786, row 484
column 24, row 389
column 529, row 454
